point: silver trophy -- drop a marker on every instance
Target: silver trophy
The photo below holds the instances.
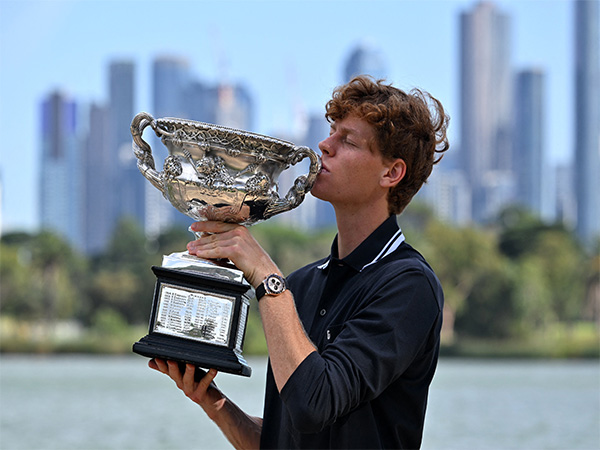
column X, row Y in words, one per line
column 200, row 307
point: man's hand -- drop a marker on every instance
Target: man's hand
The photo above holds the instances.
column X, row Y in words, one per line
column 287, row 341
column 203, row 392
column 233, row 242
column 242, row 430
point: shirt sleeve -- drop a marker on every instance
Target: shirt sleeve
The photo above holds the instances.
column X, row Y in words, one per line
column 374, row 348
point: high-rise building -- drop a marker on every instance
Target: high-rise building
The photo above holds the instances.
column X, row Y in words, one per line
column 170, row 81
column 61, row 189
column 200, row 101
column 365, row 59
column 128, row 186
column 529, row 145
column 566, row 210
column 587, row 119
column 99, row 218
column 121, row 86
column 170, row 84
column 448, row 194
column 486, row 107
column 234, row 107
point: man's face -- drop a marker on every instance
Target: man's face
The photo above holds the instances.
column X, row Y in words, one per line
column 352, row 165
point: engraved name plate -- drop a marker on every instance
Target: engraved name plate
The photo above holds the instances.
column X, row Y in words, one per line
column 194, row 314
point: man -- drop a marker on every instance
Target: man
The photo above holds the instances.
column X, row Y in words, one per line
column 353, row 341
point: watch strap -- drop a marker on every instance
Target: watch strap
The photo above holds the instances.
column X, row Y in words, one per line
column 273, row 284
column 260, row 291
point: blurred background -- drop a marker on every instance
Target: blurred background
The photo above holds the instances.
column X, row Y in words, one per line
column 509, row 219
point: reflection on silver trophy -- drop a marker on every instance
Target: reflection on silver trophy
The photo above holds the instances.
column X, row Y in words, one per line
column 200, row 307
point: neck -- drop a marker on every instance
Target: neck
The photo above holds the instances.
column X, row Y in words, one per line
column 355, row 226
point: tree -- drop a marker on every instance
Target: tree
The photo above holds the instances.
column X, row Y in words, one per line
column 42, row 277
column 290, row 248
column 465, row 260
column 121, row 278
column 558, row 258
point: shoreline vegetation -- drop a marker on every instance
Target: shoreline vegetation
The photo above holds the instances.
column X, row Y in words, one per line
column 516, row 287
column 579, row 341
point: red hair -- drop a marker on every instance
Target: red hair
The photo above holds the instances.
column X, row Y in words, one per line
column 410, row 126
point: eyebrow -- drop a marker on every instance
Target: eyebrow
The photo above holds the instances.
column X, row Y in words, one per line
column 343, row 129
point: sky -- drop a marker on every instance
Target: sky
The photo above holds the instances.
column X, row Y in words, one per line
column 289, row 54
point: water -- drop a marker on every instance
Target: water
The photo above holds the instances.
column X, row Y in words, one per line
column 83, row 402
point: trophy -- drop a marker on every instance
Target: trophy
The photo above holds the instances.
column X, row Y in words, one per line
column 200, row 307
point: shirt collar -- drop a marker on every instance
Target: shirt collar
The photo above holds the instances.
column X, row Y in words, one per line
column 383, row 241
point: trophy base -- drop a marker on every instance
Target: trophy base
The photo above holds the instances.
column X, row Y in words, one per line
column 206, row 356
column 198, row 319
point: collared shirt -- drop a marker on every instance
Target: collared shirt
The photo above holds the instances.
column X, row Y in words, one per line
column 375, row 318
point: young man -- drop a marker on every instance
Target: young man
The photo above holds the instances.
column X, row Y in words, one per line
column 353, row 341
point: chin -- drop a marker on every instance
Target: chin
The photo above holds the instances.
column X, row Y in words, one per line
column 316, row 191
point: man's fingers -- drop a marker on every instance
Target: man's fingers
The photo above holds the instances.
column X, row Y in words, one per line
column 206, row 381
column 188, row 378
column 208, row 226
column 158, row 364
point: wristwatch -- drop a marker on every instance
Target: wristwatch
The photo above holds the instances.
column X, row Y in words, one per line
column 272, row 285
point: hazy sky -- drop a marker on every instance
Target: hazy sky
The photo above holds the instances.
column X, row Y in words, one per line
column 289, row 54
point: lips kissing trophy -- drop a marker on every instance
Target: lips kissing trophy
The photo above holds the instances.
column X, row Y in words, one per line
column 200, row 308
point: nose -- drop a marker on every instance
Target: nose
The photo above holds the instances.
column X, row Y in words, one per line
column 326, row 146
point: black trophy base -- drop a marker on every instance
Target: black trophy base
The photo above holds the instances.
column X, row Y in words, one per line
column 193, row 348
column 198, row 354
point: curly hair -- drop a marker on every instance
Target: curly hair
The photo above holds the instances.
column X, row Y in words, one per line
column 410, row 126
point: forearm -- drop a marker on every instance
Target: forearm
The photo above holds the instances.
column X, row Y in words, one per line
column 240, row 429
column 287, row 341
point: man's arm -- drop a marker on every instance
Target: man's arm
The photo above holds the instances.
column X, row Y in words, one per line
column 242, row 431
column 287, row 341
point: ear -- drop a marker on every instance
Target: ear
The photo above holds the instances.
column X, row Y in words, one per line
column 394, row 173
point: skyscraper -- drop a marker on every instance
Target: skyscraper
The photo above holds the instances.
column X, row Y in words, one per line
column 170, row 83
column 200, row 101
column 529, row 146
column 128, row 187
column 365, row 59
column 486, row 109
column 587, row 119
column 233, row 107
column 61, row 189
column 99, row 211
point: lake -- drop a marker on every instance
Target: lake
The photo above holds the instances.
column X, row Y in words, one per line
column 101, row 402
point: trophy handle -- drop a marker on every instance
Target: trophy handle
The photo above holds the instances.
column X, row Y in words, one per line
column 143, row 151
column 302, row 185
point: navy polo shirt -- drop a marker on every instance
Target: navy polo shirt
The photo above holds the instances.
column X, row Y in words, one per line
column 375, row 318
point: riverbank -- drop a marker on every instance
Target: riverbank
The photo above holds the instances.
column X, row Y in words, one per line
column 576, row 341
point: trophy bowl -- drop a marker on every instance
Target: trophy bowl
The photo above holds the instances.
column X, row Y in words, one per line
column 200, row 308
column 220, row 173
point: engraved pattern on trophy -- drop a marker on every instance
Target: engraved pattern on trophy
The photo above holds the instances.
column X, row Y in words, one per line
column 220, row 173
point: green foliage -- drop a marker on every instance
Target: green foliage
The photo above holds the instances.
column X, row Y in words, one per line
column 108, row 322
column 523, row 281
column 515, row 280
column 121, row 278
column 173, row 240
column 291, row 249
column 559, row 260
column 42, row 277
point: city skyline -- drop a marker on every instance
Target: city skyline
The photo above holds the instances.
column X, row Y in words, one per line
column 301, row 91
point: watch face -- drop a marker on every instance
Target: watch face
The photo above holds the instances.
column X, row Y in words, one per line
column 275, row 284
